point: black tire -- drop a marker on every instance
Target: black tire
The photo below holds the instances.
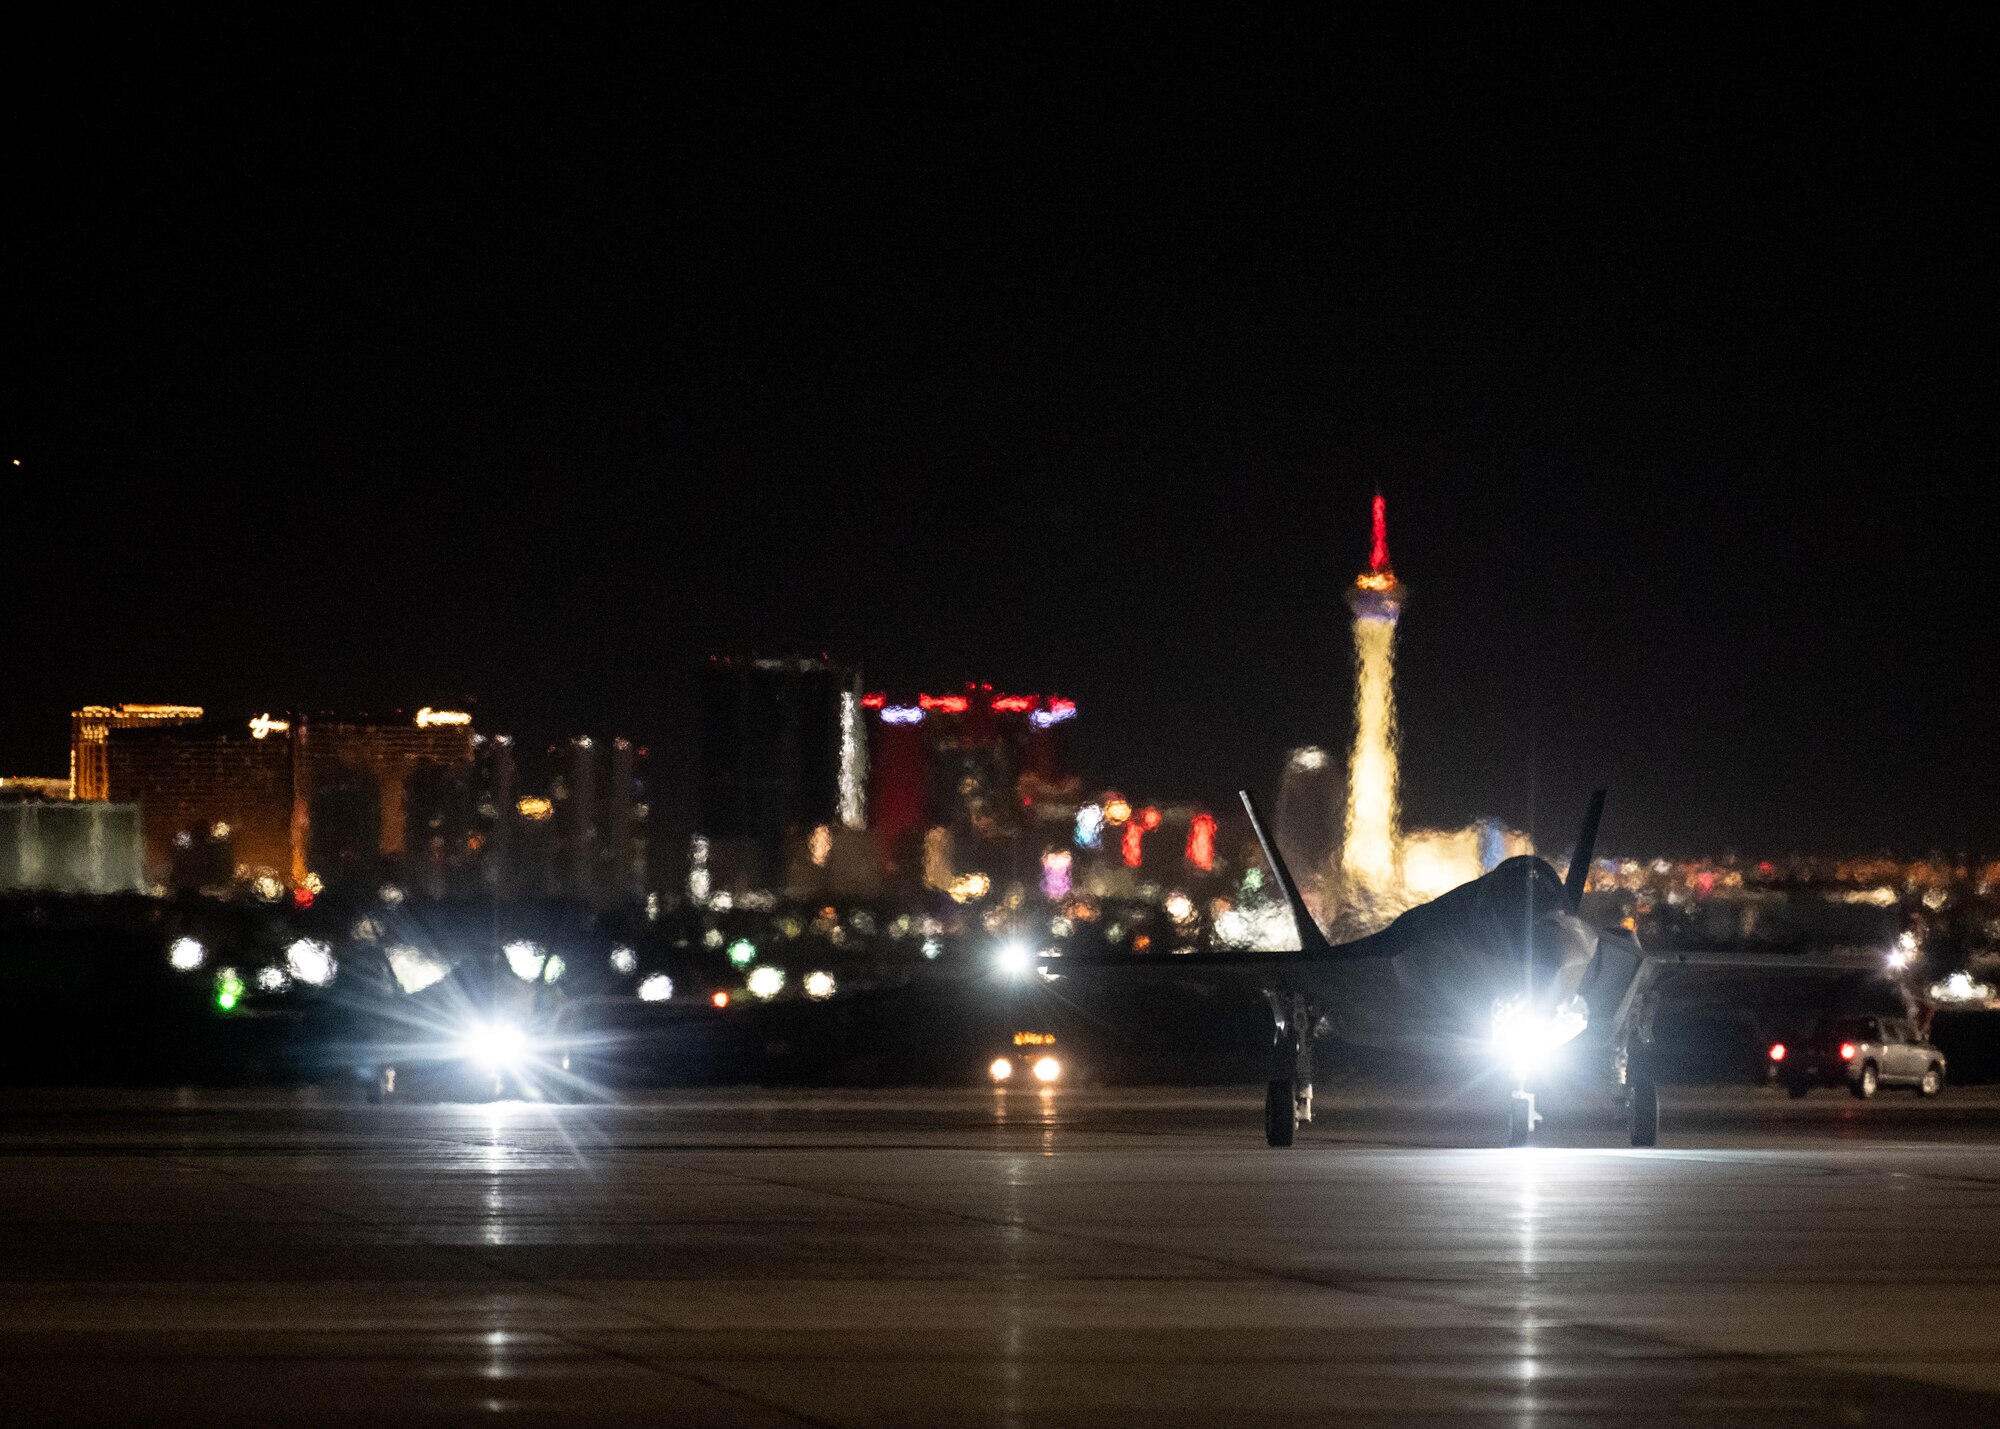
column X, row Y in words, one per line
column 1933, row 1081
column 1519, row 1125
column 1281, row 1113
column 1868, row 1083
column 1795, row 1090
column 1644, row 1121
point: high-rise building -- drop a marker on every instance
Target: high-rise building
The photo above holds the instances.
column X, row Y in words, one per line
column 1370, row 854
column 978, row 764
column 780, row 753
column 91, row 726
column 290, row 795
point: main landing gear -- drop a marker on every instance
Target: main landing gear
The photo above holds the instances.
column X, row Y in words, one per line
column 1288, row 1095
column 1642, row 1113
column 1640, row 1099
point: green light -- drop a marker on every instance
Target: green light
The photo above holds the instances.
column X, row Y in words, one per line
column 228, row 989
column 742, row 952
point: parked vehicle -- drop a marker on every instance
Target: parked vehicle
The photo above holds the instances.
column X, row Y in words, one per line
column 1862, row 1053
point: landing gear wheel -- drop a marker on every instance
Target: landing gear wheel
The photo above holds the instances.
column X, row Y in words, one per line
column 1281, row 1112
column 1867, row 1084
column 1644, row 1117
column 381, row 1085
column 1795, row 1090
column 1933, row 1081
column 1520, row 1122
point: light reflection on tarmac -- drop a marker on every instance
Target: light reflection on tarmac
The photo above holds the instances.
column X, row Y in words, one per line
column 982, row 1257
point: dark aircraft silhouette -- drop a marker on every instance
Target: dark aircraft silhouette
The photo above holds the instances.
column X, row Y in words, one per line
column 1503, row 965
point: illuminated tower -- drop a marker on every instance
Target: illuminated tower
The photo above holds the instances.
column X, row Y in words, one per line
column 1370, row 853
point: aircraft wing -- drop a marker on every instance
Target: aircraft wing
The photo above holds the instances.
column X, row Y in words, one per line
column 1634, row 981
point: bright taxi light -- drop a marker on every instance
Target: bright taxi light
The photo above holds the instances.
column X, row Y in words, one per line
column 495, row 1044
column 1525, row 1038
column 1047, row 1069
column 1001, row 1069
column 1847, row 1051
column 1777, row 1051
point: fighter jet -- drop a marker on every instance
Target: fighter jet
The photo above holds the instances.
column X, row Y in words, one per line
column 1502, row 966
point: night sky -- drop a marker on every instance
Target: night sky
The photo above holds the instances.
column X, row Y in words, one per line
column 528, row 366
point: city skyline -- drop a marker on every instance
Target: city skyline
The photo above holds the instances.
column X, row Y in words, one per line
column 1090, row 397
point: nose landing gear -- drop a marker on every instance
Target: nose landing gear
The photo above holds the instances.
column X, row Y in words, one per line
column 1522, row 1118
column 1288, row 1096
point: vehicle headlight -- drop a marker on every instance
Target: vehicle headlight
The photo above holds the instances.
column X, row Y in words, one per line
column 1047, row 1069
column 1002, row 1069
column 495, row 1044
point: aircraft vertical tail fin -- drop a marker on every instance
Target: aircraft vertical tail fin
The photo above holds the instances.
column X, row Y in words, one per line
column 1579, row 858
column 1311, row 940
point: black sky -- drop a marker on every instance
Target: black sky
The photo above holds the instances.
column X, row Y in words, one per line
column 372, row 367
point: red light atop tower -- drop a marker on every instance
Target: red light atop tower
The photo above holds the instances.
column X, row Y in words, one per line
column 1378, row 547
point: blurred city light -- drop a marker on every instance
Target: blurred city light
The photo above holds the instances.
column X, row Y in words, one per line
column 413, row 968
column 310, row 961
column 524, row 959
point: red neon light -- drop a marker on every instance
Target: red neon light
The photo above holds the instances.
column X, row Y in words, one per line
column 1201, row 842
column 1129, row 845
column 1378, row 548
column 1150, row 817
column 1013, row 704
column 950, row 704
column 1062, row 707
column 302, row 897
column 874, row 702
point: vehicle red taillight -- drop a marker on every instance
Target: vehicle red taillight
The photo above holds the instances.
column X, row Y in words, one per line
column 1847, row 1051
column 1777, row 1051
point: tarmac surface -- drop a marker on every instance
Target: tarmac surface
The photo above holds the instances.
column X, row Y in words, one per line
column 978, row 1257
